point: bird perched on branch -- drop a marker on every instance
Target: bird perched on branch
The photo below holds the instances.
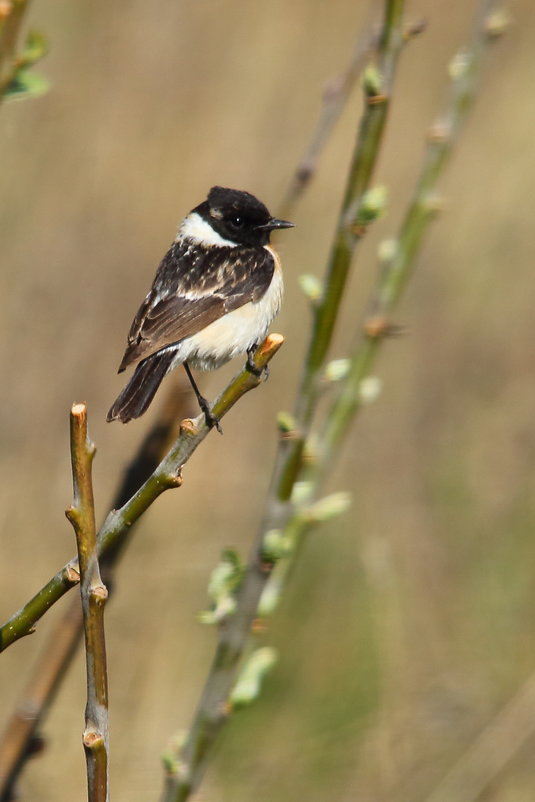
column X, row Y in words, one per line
column 214, row 295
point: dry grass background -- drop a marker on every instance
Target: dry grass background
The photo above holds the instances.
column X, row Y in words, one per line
column 409, row 622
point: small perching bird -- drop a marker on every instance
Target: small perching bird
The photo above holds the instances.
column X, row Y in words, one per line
column 214, row 295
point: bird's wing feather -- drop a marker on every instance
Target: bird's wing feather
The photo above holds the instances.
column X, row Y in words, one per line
column 192, row 289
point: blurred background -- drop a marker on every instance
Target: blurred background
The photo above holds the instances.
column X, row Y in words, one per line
column 408, row 625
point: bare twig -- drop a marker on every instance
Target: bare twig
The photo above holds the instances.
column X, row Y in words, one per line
column 62, row 640
column 335, row 96
column 16, row 745
column 166, row 476
column 94, row 594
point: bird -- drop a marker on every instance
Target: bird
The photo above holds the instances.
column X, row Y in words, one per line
column 213, row 298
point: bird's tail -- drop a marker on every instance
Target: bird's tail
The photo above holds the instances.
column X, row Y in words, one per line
column 140, row 390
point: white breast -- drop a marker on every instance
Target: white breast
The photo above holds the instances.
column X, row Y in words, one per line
column 236, row 332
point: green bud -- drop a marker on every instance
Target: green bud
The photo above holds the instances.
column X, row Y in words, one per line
column 224, row 608
column 249, row 683
column 497, row 23
column 329, row 507
column 311, row 286
column 301, row 493
column 270, row 597
column 372, row 81
column 459, row 65
column 337, row 369
column 286, row 422
column 372, row 205
column 387, row 250
column 224, row 581
column 370, row 389
column 275, row 545
column 226, row 576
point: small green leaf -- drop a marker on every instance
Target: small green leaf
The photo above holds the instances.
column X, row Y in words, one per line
column 26, row 84
column 224, row 581
column 36, row 46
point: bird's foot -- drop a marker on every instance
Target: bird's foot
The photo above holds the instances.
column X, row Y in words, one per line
column 212, row 421
column 250, row 364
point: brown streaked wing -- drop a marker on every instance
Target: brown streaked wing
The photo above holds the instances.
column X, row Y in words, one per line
column 231, row 278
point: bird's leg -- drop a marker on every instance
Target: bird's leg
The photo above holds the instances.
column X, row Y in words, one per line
column 209, row 416
column 250, row 365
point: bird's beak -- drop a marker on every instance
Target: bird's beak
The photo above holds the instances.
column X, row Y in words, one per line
column 274, row 223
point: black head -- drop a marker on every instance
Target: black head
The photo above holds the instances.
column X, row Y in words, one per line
column 239, row 216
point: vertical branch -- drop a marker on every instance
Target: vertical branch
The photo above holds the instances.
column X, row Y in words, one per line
column 398, row 260
column 185, row 774
column 62, row 641
column 94, row 594
column 399, row 256
column 351, row 228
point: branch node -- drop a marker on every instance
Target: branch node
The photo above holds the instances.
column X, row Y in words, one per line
column 379, row 327
column 71, row 573
column 92, row 739
column 376, row 327
column 174, row 479
column 188, row 427
column 99, row 593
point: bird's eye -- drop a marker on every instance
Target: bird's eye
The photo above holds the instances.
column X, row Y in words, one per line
column 237, row 221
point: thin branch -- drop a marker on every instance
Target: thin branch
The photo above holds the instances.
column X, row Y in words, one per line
column 351, row 228
column 166, row 476
column 186, row 773
column 335, row 96
column 400, row 254
column 398, row 264
column 62, row 641
column 94, row 595
column 19, row 737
